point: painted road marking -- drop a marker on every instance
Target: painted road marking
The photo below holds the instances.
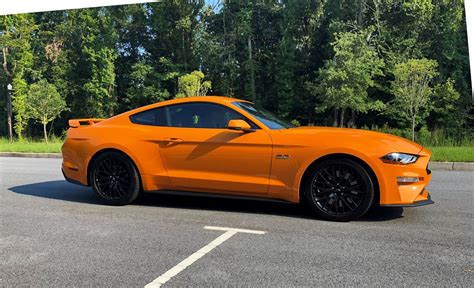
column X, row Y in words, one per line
column 200, row 253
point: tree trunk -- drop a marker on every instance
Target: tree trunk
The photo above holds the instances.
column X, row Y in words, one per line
column 45, row 133
column 361, row 12
column 353, row 118
column 336, row 116
column 252, row 71
column 113, row 100
column 413, row 128
column 9, row 94
column 184, row 51
column 341, row 123
column 9, row 115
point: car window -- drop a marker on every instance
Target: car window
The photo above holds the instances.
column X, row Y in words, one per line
column 155, row 117
column 266, row 117
column 191, row 115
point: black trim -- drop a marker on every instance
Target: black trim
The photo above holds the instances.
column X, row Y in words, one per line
column 216, row 195
column 72, row 180
column 416, row 204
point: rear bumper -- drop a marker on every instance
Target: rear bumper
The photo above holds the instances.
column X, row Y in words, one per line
column 70, row 180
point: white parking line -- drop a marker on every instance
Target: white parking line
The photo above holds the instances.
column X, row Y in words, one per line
column 198, row 254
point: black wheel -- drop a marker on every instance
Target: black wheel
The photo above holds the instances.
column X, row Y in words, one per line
column 115, row 179
column 339, row 190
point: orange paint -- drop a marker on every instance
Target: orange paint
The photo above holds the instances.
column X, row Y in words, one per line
column 256, row 162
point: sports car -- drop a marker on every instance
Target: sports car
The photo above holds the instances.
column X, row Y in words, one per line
column 226, row 146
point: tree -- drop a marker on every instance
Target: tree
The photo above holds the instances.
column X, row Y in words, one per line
column 17, row 53
column 44, row 104
column 193, row 84
column 411, row 89
column 344, row 80
column 443, row 105
column 288, row 56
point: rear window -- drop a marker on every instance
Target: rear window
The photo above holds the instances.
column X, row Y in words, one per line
column 155, row 117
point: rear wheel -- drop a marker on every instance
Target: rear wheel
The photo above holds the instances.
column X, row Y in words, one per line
column 339, row 190
column 115, row 179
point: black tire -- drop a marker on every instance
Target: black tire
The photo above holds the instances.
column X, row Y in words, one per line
column 115, row 179
column 339, row 190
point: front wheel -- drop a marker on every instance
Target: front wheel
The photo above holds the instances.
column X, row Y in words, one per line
column 115, row 179
column 339, row 190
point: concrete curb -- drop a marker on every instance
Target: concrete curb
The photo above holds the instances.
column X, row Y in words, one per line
column 458, row 166
column 441, row 165
column 31, row 155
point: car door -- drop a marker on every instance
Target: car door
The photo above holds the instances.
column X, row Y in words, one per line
column 201, row 154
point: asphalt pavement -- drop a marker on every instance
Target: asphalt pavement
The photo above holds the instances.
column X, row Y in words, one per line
column 56, row 234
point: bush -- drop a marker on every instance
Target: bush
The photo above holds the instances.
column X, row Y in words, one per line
column 437, row 137
column 424, row 136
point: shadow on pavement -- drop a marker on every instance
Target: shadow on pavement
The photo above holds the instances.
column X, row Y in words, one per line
column 58, row 190
column 62, row 190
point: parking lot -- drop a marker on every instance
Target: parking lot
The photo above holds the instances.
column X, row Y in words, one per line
column 54, row 233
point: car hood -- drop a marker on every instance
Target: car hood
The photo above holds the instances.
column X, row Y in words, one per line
column 398, row 144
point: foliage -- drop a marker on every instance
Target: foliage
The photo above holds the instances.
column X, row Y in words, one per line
column 443, row 105
column 44, row 104
column 344, row 80
column 412, row 90
column 454, row 154
column 193, row 84
column 287, row 56
column 31, row 146
column 18, row 62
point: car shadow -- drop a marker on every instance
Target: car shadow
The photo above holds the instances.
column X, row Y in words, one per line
column 64, row 191
column 58, row 190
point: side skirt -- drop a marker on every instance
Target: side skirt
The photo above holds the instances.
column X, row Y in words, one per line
column 216, row 195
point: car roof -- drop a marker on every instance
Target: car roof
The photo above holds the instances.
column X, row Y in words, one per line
column 217, row 99
column 213, row 99
column 226, row 101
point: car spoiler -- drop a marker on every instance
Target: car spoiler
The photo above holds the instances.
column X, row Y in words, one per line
column 75, row 123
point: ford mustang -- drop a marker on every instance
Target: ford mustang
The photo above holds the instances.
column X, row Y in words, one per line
column 226, row 146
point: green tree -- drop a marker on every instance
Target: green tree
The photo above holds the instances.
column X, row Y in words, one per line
column 108, row 60
column 443, row 104
column 344, row 80
column 44, row 104
column 16, row 38
column 193, row 84
column 412, row 90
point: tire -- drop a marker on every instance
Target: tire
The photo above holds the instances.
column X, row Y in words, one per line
column 115, row 179
column 339, row 190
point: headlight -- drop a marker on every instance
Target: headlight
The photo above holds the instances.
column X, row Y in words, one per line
column 399, row 158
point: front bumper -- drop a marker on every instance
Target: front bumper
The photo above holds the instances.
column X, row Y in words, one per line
column 400, row 194
column 415, row 203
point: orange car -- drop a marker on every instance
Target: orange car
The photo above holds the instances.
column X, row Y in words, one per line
column 227, row 146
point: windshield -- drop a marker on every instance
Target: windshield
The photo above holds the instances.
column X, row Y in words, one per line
column 264, row 116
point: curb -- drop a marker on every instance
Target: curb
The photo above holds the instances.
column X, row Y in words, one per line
column 457, row 166
column 31, row 155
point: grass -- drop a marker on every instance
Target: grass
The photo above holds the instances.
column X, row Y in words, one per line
column 54, row 146
column 456, row 154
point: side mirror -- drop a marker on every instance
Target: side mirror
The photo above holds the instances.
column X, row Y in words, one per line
column 239, row 125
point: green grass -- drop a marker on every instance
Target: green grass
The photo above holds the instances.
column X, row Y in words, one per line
column 455, row 154
column 54, row 146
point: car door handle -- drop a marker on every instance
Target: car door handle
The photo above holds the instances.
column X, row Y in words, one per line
column 174, row 140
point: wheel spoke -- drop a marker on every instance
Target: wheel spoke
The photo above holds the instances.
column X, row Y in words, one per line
column 112, row 178
column 338, row 189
